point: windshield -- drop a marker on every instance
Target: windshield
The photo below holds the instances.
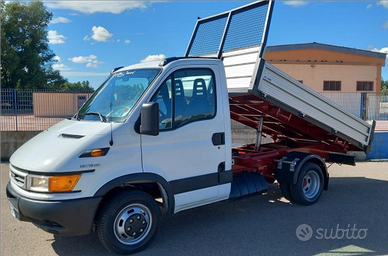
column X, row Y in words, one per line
column 115, row 98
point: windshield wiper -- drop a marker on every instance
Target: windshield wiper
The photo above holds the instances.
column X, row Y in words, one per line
column 102, row 117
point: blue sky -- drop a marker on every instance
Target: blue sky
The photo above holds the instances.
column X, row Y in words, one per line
column 90, row 38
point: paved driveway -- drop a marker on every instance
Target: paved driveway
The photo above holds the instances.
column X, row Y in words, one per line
column 350, row 219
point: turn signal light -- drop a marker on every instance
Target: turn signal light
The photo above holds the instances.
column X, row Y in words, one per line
column 97, row 152
column 63, row 183
column 94, row 152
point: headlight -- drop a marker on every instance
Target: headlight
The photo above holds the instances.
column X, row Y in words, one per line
column 65, row 183
column 39, row 184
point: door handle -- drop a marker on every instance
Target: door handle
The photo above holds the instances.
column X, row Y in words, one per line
column 218, row 139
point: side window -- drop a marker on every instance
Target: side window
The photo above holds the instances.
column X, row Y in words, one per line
column 163, row 97
column 190, row 93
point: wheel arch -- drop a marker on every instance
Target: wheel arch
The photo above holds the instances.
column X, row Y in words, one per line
column 136, row 180
column 286, row 174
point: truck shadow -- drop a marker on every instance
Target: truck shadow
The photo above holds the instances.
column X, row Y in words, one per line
column 267, row 224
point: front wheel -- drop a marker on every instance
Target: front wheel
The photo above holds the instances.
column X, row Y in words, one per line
column 309, row 186
column 128, row 222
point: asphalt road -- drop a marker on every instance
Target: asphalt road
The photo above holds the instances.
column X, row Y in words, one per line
column 349, row 219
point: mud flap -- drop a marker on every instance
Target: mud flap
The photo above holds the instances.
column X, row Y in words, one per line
column 248, row 183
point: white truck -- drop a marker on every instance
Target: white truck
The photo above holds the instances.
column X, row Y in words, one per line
column 158, row 134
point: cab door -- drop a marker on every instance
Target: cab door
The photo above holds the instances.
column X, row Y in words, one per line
column 189, row 151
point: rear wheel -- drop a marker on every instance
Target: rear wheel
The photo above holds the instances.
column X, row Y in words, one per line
column 309, row 186
column 128, row 222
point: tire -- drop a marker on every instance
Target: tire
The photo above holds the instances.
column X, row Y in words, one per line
column 285, row 189
column 309, row 185
column 128, row 222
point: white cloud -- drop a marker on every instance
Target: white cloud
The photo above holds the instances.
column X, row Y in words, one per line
column 60, row 67
column 369, row 6
column 94, row 64
column 296, row 3
column 127, row 41
column 382, row 50
column 154, row 58
column 83, row 59
column 118, row 40
column 370, row 47
column 91, row 61
column 385, row 25
column 60, row 20
column 100, row 34
column 383, row 3
column 57, row 59
column 91, row 65
column 89, row 7
column 55, row 38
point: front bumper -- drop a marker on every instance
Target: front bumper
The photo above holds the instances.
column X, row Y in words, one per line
column 66, row 217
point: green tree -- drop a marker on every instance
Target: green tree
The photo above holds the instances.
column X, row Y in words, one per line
column 26, row 58
column 78, row 86
column 384, row 86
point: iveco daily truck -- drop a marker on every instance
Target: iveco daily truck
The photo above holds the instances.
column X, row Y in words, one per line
column 158, row 134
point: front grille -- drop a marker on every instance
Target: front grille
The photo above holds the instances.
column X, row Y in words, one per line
column 18, row 176
column 18, row 179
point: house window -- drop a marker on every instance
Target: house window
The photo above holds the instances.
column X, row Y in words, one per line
column 364, row 86
column 332, row 85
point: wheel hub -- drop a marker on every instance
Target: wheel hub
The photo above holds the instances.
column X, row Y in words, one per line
column 132, row 224
column 311, row 184
column 135, row 225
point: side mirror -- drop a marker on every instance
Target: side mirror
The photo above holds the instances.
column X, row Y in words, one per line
column 149, row 124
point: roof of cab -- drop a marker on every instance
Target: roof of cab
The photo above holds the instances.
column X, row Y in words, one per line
column 150, row 64
column 158, row 63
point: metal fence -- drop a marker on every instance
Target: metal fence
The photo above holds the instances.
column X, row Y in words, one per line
column 352, row 102
column 368, row 106
column 377, row 106
column 36, row 110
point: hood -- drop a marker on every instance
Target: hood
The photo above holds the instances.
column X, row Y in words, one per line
column 55, row 148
